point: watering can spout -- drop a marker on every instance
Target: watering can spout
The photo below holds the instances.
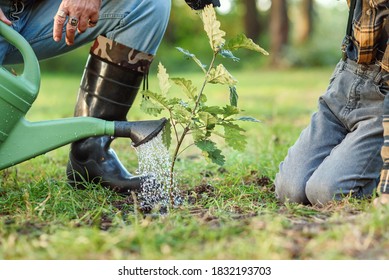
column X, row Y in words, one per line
column 139, row 132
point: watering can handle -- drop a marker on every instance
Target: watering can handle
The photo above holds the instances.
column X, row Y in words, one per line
column 31, row 72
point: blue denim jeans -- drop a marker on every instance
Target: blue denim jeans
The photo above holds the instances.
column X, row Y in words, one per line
column 138, row 24
column 339, row 152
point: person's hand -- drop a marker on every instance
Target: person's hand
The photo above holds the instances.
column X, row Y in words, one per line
column 81, row 15
column 383, row 199
column 4, row 19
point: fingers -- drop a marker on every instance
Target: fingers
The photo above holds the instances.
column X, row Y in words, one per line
column 77, row 16
column 85, row 22
column 82, row 25
column 61, row 18
column 4, row 19
column 93, row 20
column 59, row 21
column 71, row 29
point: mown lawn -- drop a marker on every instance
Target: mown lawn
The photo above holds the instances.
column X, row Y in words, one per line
column 229, row 213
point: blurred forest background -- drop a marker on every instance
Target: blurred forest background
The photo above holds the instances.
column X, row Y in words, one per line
column 296, row 33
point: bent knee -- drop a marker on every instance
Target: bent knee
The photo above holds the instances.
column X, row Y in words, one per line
column 290, row 190
column 322, row 192
column 158, row 10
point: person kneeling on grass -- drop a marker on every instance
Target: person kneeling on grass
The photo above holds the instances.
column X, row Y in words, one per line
column 126, row 35
column 345, row 148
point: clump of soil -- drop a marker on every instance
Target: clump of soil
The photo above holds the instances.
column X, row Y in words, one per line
column 255, row 178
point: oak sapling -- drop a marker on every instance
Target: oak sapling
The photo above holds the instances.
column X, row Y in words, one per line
column 190, row 114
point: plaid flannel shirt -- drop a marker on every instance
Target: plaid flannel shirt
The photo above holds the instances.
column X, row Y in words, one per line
column 369, row 35
column 370, row 45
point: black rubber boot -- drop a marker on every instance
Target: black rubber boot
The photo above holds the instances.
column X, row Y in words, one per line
column 107, row 91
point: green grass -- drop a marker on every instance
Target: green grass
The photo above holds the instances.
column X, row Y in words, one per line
column 230, row 212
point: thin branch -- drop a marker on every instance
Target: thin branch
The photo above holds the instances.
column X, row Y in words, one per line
column 184, row 149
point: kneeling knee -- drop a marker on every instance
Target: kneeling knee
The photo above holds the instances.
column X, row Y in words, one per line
column 319, row 193
column 290, row 191
column 158, row 10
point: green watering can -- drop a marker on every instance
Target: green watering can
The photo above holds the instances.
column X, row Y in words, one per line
column 21, row 140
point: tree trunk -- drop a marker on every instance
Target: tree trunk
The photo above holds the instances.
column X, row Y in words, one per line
column 251, row 19
column 304, row 26
column 279, row 29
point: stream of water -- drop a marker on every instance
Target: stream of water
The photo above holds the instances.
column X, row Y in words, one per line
column 154, row 166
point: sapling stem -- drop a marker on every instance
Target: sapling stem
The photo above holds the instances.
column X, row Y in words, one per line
column 187, row 127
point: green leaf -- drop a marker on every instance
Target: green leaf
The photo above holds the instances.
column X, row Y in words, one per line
column 212, row 28
column 198, row 134
column 203, row 98
column 214, row 110
column 193, row 57
column 208, row 119
column 150, row 107
column 163, row 78
column 210, row 151
column 241, row 41
column 230, row 110
column 220, row 75
column 228, row 54
column 187, row 86
column 181, row 113
column 167, row 134
column 206, row 145
column 216, row 157
column 233, row 96
column 156, row 97
column 173, row 101
column 185, row 52
column 248, row 119
column 233, row 136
